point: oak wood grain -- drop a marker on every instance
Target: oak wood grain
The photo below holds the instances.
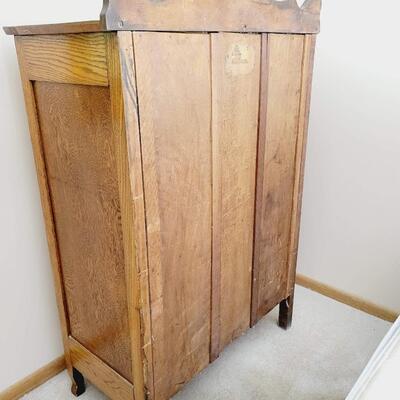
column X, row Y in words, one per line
column 78, row 143
column 127, row 61
column 75, row 59
column 212, row 15
column 173, row 80
column 99, row 373
column 235, row 97
column 47, row 206
column 169, row 164
column 305, row 97
column 279, row 118
column 127, row 208
column 261, row 142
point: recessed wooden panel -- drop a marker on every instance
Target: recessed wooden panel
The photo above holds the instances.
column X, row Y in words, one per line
column 282, row 57
column 173, row 81
column 79, row 149
column 76, row 58
column 236, row 80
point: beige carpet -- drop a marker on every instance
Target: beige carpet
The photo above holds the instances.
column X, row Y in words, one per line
column 320, row 358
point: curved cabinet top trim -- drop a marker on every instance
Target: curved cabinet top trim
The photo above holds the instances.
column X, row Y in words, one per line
column 284, row 16
column 268, row 16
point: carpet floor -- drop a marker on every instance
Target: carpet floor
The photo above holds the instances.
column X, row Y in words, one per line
column 319, row 358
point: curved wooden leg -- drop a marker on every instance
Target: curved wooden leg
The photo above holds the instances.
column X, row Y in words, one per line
column 286, row 313
column 78, row 383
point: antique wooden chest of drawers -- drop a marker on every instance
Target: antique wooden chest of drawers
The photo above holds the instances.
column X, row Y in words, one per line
column 169, row 140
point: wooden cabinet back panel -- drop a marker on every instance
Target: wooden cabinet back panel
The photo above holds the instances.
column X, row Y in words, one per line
column 204, row 124
column 77, row 139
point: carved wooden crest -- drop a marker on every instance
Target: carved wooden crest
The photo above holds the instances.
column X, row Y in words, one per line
column 281, row 16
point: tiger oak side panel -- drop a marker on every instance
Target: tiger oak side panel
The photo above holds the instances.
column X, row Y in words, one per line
column 72, row 89
column 75, row 122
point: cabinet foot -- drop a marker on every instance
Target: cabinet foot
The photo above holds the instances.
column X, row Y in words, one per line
column 286, row 313
column 78, row 383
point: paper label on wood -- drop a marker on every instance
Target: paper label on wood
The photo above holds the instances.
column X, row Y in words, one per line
column 240, row 59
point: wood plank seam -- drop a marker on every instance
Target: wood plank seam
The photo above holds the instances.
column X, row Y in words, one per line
column 34, row 380
column 127, row 212
column 276, row 176
column 304, row 109
column 139, row 201
column 297, row 172
column 260, row 153
column 215, row 274
column 152, row 390
column 235, row 81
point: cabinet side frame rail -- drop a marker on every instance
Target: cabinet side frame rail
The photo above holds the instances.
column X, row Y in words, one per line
column 76, row 355
column 47, row 207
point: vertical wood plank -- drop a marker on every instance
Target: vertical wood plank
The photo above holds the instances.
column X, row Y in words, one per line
column 127, row 212
column 173, row 80
column 136, row 177
column 47, row 208
column 235, row 98
column 305, row 97
column 279, row 118
column 262, row 121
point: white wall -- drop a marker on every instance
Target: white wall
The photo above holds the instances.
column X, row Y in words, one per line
column 351, row 212
column 351, row 209
column 29, row 328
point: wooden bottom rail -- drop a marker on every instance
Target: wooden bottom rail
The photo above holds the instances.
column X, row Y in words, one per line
column 100, row 374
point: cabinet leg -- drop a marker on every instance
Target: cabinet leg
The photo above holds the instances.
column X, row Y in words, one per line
column 78, row 383
column 286, row 313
